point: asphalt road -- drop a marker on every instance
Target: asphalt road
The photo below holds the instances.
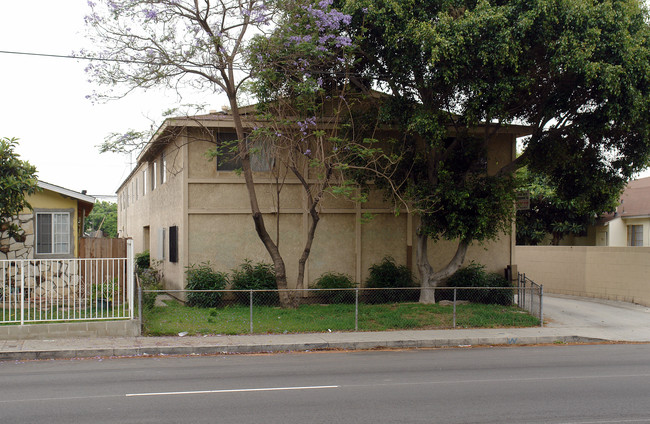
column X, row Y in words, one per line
column 551, row 384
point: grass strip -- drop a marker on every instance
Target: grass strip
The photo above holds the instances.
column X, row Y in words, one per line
column 229, row 320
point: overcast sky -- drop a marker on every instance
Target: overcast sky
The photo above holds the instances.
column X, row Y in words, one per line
column 42, row 100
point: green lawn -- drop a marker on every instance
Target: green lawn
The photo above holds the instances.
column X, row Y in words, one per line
column 176, row 318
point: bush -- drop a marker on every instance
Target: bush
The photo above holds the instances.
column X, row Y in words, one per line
column 203, row 277
column 387, row 274
column 260, row 276
column 143, row 260
column 331, row 280
column 474, row 275
column 149, row 280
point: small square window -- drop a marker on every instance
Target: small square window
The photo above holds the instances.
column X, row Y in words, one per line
column 53, row 233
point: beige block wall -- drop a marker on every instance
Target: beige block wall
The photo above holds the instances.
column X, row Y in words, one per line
column 616, row 273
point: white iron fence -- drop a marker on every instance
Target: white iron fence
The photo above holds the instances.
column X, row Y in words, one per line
column 47, row 290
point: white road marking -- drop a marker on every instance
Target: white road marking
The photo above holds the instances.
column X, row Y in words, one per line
column 264, row 389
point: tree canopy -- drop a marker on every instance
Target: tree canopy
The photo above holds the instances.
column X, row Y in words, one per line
column 103, row 217
column 576, row 72
column 207, row 45
column 552, row 215
column 17, row 180
column 456, row 74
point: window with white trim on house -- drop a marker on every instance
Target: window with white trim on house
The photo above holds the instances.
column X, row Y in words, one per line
column 144, row 182
column 53, row 233
column 635, row 235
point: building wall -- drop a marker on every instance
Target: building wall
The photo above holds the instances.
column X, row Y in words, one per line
column 44, row 199
column 160, row 208
column 213, row 213
column 616, row 273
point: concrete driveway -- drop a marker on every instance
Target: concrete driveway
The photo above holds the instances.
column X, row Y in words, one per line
column 598, row 318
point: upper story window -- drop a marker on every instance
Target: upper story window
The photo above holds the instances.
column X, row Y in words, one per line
column 144, row 182
column 163, row 168
column 635, row 235
column 228, row 158
column 53, row 233
column 154, row 175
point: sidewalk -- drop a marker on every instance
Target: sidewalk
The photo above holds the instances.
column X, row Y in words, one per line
column 570, row 320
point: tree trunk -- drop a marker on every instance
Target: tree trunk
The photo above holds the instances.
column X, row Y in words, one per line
column 430, row 279
column 287, row 300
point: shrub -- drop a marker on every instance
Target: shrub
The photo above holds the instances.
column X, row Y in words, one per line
column 387, row 274
column 474, row 275
column 203, row 277
column 331, row 280
column 260, row 276
column 149, row 279
column 143, row 260
column 105, row 291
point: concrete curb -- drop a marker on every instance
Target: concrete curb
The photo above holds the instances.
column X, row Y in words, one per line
column 288, row 347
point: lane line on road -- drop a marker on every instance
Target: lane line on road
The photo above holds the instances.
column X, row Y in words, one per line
column 263, row 389
column 498, row 380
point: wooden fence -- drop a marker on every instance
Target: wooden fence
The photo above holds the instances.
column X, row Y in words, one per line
column 105, row 248
column 95, row 248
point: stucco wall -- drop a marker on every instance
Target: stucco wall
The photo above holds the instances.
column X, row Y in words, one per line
column 616, row 273
column 212, row 211
column 160, row 208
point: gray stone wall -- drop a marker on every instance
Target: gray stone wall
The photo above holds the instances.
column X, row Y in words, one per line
column 46, row 282
column 12, row 249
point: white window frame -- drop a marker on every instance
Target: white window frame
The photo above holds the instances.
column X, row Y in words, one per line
column 163, row 168
column 154, row 179
column 57, row 236
column 144, row 182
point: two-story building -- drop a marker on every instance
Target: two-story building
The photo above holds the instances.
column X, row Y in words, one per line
column 186, row 208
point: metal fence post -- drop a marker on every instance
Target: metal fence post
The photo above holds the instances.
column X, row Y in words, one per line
column 541, row 310
column 22, row 293
column 140, row 307
column 251, row 310
column 454, row 307
column 130, row 272
column 356, row 309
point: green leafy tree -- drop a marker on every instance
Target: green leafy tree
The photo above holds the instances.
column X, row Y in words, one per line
column 576, row 72
column 103, row 217
column 202, row 44
column 17, row 180
column 551, row 214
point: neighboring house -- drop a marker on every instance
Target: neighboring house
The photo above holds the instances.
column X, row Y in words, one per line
column 52, row 229
column 629, row 225
column 187, row 209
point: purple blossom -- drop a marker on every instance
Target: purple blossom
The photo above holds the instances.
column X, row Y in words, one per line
column 150, row 13
column 307, row 152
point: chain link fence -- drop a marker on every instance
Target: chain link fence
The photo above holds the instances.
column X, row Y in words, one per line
column 529, row 297
column 357, row 309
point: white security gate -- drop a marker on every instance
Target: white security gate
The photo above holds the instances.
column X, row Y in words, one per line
column 49, row 290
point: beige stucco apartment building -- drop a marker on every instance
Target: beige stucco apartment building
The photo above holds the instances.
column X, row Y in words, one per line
column 186, row 209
